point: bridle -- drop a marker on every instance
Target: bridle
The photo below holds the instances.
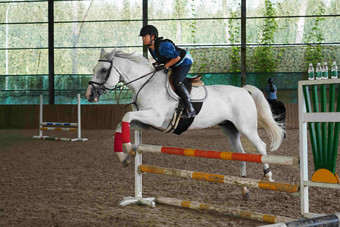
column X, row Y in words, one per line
column 102, row 89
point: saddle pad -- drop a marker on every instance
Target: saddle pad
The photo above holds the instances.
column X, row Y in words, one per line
column 185, row 123
column 197, row 94
column 178, row 124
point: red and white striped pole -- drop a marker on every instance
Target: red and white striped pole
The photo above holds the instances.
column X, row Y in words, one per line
column 270, row 159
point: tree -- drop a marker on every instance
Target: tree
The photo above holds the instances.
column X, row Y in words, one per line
column 264, row 60
column 301, row 22
column 314, row 37
column 234, row 37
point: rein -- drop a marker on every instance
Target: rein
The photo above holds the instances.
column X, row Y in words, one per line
column 102, row 89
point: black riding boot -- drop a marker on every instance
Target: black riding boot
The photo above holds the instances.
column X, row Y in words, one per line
column 185, row 96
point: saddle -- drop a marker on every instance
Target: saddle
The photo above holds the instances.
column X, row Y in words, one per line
column 198, row 94
column 194, row 85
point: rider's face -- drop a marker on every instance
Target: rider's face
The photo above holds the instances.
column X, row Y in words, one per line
column 146, row 39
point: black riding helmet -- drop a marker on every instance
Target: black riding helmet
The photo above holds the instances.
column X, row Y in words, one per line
column 149, row 29
column 270, row 80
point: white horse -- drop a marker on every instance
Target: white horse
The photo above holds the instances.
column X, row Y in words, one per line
column 236, row 110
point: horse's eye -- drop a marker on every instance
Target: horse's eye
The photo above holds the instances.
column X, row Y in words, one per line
column 104, row 70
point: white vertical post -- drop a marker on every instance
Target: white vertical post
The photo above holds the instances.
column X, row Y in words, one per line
column 40, row 115
column 6, row 45
column 138, row 198
column 303, row 153
column 138, row 162
column 79, row 117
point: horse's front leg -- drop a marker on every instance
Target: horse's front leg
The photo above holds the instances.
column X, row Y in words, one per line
column 122, row 135
column 118, row 147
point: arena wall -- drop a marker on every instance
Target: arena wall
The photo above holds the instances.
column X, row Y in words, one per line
column 92, row 116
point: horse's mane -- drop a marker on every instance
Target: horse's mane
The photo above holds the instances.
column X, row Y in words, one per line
column 135, row 57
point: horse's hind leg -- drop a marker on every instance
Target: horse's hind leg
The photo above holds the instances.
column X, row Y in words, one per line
column 260, row 146
column 233, row 134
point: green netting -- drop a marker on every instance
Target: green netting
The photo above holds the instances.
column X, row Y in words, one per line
column 68, row 86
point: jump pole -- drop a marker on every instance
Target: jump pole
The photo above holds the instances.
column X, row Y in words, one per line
column 270, row 159
column 43, row 126
column 231, row 180
column 229, row 211
column 54, row 138
column 57, row 129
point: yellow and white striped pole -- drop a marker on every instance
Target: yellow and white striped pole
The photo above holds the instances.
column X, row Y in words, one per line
column 229, row 211
column 231, row 180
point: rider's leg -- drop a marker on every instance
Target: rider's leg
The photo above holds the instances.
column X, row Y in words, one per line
column 178, row 75
column 185, row 96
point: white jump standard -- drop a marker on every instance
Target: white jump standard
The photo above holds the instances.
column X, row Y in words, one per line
column 46, row 126
column 138, row 199
column 315, row 118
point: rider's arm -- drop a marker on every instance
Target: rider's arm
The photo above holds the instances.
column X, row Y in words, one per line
column 168, row 50
column 172, row 62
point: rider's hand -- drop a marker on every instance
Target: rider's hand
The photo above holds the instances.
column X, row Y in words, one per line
column 160, row 67
column 155, row 64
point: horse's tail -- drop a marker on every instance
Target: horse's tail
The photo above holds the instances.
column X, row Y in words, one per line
column 266, row 118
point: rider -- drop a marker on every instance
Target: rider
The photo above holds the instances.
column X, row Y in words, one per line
column 271, row 90
column 168, row 55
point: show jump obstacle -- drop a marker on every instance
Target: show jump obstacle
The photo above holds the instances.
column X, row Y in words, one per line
column 59, row 126
column 324, row 128
column 231, row 180
column 324, row 152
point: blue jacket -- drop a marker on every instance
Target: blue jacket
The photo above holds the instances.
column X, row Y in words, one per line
column 271, row 95
column 166, row 50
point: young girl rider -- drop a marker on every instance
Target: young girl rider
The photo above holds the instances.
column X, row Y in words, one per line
column 168, row 55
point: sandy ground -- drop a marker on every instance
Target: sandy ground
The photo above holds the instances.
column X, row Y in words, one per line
column 50, row 183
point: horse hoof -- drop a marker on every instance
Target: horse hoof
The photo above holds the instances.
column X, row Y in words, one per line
column 132, row 153
column 268, row 174
column 269, row 178
column 246, row 196
column 126, row 161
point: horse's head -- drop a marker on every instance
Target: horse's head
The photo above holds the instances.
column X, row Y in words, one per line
column 103, row 76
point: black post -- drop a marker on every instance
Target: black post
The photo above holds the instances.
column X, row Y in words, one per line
column 145, row 22
column 243, row 43
column 51, row 51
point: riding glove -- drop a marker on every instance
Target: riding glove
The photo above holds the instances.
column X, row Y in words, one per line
column 161, row 67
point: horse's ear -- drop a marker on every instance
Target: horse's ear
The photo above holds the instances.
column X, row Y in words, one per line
column 111, row 54
column 102, row 52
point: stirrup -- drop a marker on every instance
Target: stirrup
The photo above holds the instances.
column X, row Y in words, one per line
column 192, row 114
column 187, row 114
